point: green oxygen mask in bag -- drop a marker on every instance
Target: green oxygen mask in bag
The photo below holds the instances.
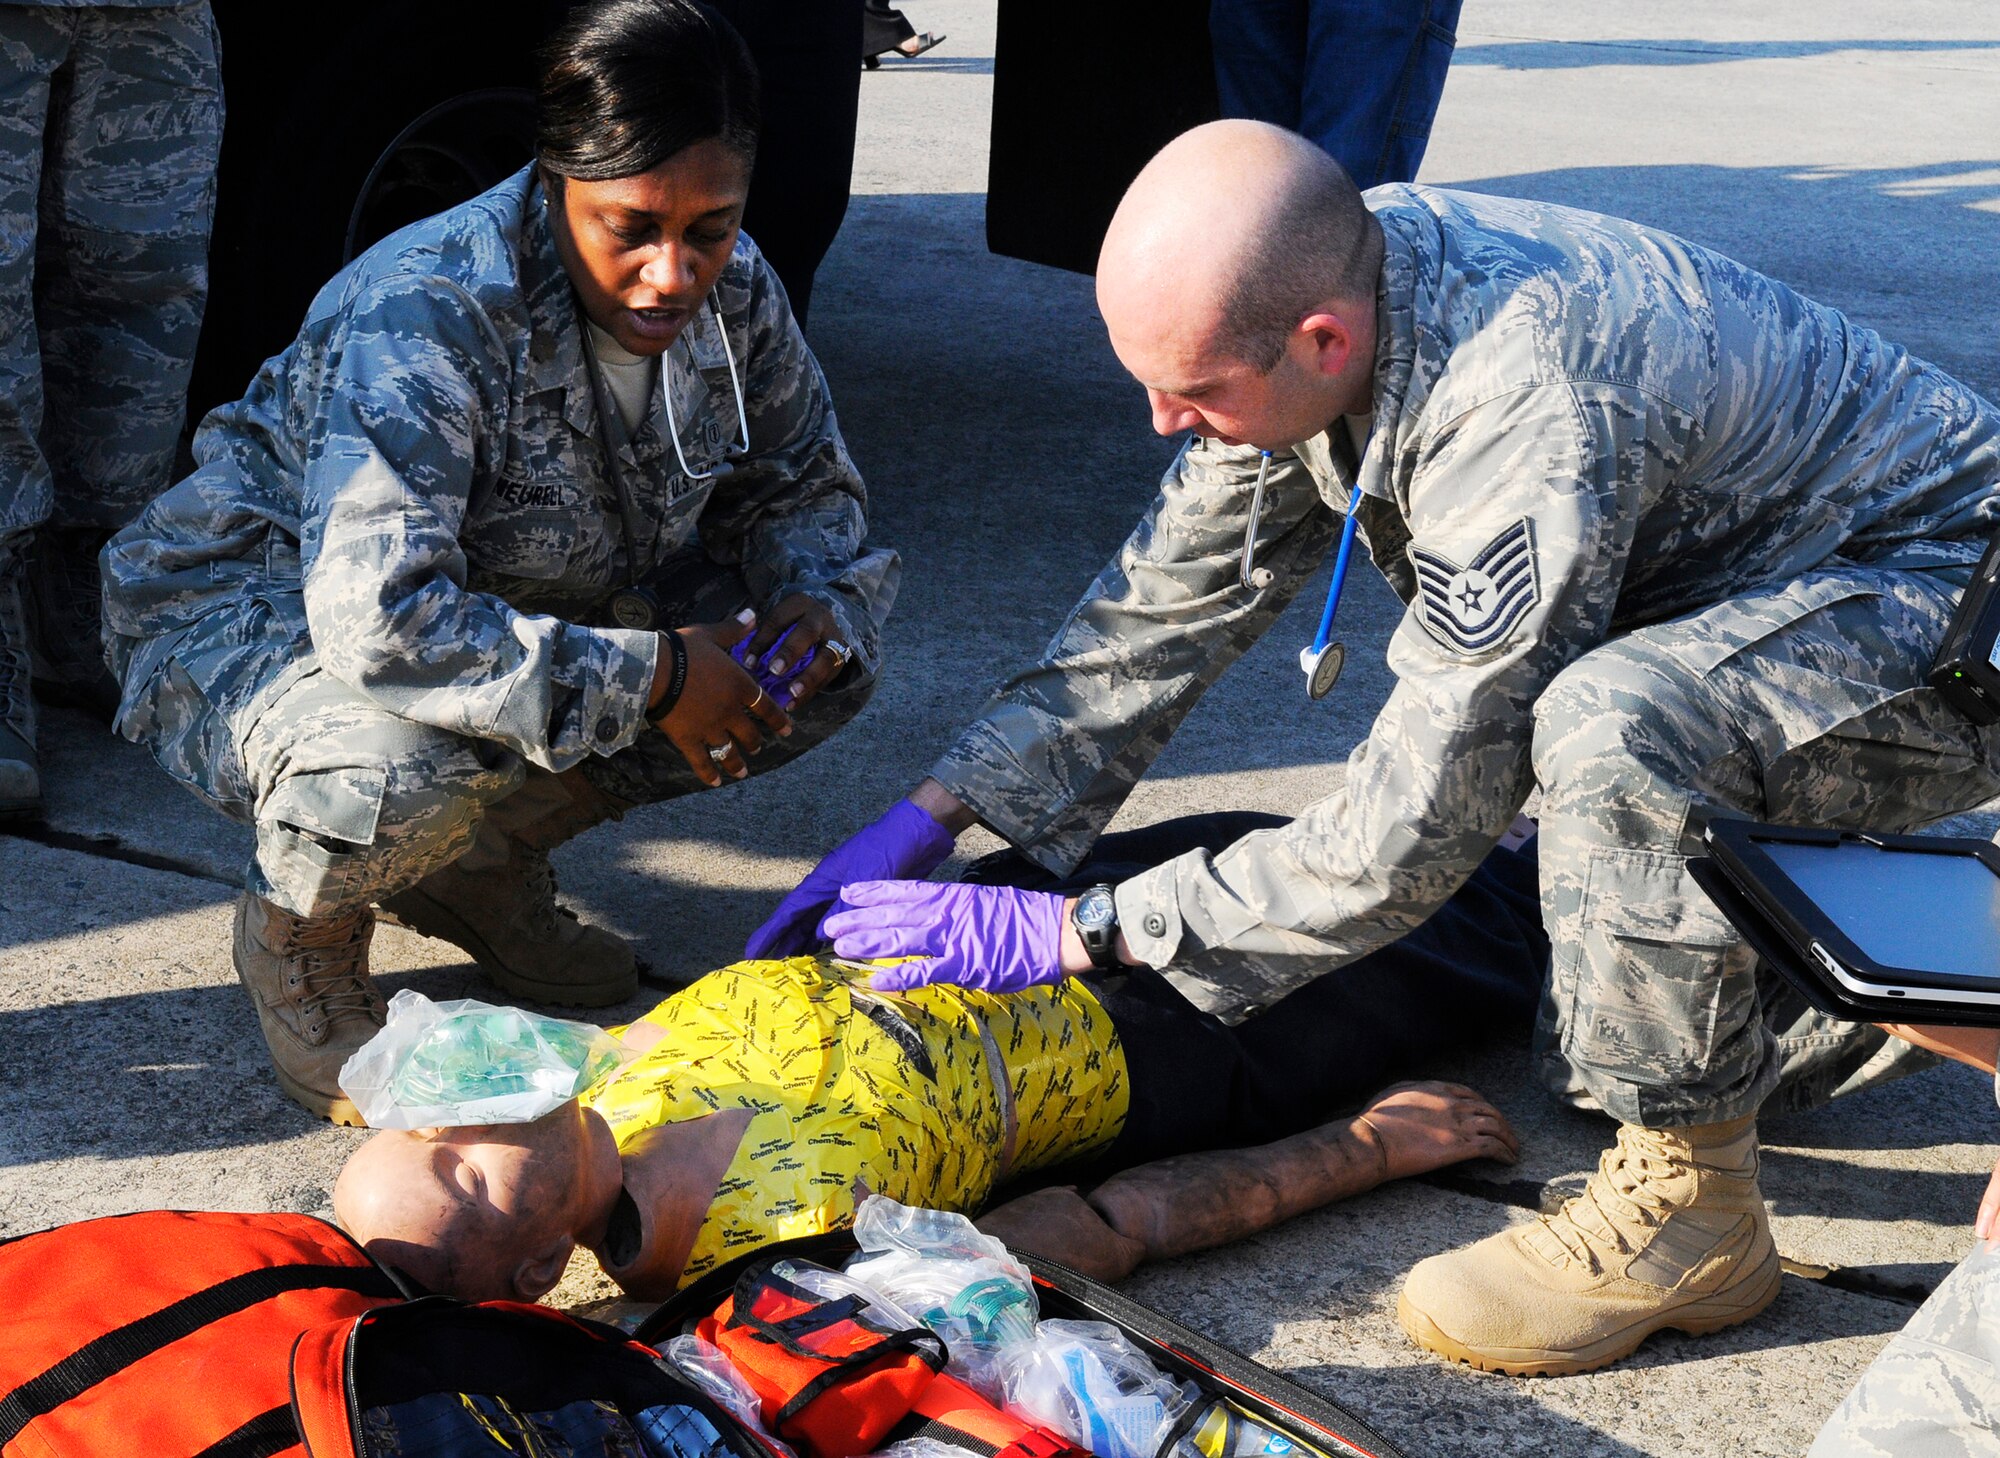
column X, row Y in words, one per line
column 439, row 1065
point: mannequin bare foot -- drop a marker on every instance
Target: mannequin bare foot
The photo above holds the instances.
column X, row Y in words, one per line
column 1059, row 1225
column 1426, row 1126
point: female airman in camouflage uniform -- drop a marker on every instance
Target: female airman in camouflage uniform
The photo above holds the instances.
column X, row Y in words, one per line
column 374, row 622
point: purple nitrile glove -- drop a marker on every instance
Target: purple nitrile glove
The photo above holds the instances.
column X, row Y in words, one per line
column 994, row 938
column 768, row 681
column 904, row 843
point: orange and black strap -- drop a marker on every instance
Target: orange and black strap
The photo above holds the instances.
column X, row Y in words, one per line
column 955, row 1414
column 114, row 1351
column 842, row 1370
column 264, row 1436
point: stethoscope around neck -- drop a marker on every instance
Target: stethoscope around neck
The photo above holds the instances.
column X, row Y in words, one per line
column 735, row 388
column 721, row 468
column 1323, row 661
column 628, row 509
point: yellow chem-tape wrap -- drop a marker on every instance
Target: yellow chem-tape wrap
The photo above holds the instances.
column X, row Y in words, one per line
column 892, row 1090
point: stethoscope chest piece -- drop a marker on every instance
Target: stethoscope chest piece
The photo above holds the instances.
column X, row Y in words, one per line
column 1322, row 668
column 1322, row 661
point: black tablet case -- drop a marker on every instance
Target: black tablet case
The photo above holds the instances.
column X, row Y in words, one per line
column 1807, row 977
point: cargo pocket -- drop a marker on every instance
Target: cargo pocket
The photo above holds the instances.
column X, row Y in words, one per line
column 1884, row 750
column 1706, row 639
column 1784, row 665
column 1657, row 997
column 315, row 836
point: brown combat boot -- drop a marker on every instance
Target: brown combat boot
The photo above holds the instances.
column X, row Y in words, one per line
column 1670, row 1231
column 498, row 900
column 309, row 979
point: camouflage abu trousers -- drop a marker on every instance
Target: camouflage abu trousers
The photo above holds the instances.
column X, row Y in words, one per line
column 1803, row 702
column 1934, row 1392
column 110, row 126
column 350, row 802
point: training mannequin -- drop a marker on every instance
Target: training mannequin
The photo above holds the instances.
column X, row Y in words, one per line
column 762, row 1101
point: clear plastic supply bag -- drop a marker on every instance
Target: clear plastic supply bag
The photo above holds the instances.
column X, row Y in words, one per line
column 960, row 1283
column 881, row 1224
column 703, row 1364
column 828, row 1285
column 920, row 1447
column 441, row 1065
column 1083, row 1379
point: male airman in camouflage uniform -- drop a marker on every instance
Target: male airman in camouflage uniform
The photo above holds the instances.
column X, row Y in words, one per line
column 1674, row 543
column 110, row 122
column 373, row 622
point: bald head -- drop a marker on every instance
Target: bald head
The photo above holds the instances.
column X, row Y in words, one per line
column 484, row 1214
column 400, row 1197
column 1232, row 234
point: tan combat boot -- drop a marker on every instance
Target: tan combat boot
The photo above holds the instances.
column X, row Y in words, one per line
column 498, row 900
column 309, row 979
column 1670, row 1231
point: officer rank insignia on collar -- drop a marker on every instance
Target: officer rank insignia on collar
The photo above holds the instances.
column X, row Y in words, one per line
column 1469, row 609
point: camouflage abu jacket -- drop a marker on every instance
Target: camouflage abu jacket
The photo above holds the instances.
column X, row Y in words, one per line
column 416, row 490
column 1580, row 425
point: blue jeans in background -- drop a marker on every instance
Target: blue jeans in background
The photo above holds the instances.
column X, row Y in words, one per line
column 1359, row 77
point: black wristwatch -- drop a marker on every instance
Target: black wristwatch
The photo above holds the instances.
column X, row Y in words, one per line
column 1095, row 918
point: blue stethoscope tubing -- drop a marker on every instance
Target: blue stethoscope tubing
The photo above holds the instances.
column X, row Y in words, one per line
column 1339, row 573
column 1321, row 662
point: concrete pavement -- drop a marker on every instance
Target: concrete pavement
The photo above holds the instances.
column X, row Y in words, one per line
column 1850, row 148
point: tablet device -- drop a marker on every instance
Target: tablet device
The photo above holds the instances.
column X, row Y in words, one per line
column 1901, row 928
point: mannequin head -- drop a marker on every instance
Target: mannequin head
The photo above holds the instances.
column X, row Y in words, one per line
column 484, row 1213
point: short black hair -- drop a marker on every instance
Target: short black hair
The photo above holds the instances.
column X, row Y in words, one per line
column 628, row 83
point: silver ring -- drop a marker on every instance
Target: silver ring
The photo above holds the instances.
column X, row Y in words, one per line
column 838, row 649
column 758, row 700
column 720, row 752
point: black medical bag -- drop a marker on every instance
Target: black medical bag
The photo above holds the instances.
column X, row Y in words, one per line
column 1309, row 1420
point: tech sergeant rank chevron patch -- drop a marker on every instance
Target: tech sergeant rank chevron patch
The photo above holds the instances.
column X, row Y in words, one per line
column 1469, row 609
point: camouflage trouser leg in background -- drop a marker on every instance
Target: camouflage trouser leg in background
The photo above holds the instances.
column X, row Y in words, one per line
column 1934, row 1392
column 1801, row 702
column 110, row 126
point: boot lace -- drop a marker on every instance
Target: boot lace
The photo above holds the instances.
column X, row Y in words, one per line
column 540, row 910
column 329, row 980
column 1626, row 1192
